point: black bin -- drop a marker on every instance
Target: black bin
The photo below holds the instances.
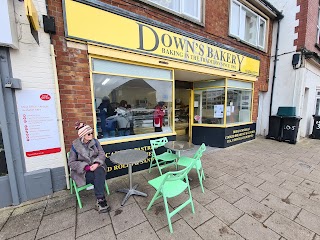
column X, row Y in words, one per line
column 290, row 127
column 275, row 127
column 316, row 127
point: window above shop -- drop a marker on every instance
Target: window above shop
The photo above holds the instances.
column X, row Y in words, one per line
column 247, row 26
column 189, row 9
column 131, row 100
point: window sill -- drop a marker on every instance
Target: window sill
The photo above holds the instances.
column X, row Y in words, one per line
column 124, row 139
column 192, row 20
column 247, row 43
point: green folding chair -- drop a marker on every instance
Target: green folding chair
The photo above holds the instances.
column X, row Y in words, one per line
column 162, row 160
column 77, row 189
column 169, row 185
column 185, row 162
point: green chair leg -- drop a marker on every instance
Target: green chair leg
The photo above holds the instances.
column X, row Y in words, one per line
column 71, row 185
column 168, row 214
column 200, row 180
column 107, row 188
column 77, row 194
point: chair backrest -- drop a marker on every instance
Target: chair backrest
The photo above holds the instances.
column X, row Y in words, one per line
column 199, row 152
column 178, row 175
column 160, row 142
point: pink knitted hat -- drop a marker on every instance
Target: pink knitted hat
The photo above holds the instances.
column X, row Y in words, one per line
column 83, row 129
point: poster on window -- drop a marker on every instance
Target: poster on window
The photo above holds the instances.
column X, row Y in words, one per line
column 218, row 111
column 38, row 122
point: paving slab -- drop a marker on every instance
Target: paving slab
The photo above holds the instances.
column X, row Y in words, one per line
column 228, row 193
column 309, row 221
column 105, row 233
column 29, row 208
column 57, row 222
column 157, row 216
column 4, row 215
column 225, row 211
column 126, row 217
column 270, row 178
column 254, row 209
column 143, row 231
column 21, row 224
column 233, row 171
column 251, row 229
column 181, row 230
column 248, row 178
column 26, row 236
column 317, row 237
column 315, row 195
column 230, row 181
column 297, row 188
column 203, row 198
column 282, row 206
column 252, row 192
column 289, row 177
column 200, row 216
column 275, row 190
column 311, row 185
column 60, row 204
column 212, row 172
column 305, row 203
column 214, row 229
column 67, row 234
column 86, row 225
column 212, row 183
column 310, row 176
column 288, row 228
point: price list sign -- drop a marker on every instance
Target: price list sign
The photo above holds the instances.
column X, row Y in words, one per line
column 38, row 122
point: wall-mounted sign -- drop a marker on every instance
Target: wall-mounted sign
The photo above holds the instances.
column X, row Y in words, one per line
column 92, row 24
column 38, row 122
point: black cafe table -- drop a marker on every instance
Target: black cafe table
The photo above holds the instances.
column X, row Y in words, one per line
column 129, row 156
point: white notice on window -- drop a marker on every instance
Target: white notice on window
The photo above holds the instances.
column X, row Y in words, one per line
column 218, row 111
column 38, row 122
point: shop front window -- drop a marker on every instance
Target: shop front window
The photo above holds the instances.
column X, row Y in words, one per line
column 238, row 106
column 209, row 102
column 131, row 100
column 3, row 164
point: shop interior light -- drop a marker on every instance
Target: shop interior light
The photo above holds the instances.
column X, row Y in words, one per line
column 105, row 81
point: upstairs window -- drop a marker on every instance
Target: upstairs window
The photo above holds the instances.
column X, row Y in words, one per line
column 247, row 25
column 187, row 8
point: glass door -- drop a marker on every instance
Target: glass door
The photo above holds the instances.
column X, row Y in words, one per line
column 182, row 101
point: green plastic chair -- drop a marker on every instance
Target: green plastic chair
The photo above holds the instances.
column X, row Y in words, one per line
column 162, row 160
column 169, row 185
column 77, row 189
column 185, row 162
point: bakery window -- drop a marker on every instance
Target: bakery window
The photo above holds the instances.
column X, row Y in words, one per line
column 222, row 102
column 131, row 100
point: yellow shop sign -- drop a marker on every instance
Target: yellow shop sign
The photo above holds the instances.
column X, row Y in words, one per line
column 92, row 24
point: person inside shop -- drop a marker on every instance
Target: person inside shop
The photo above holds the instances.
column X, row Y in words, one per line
column 87, row 164
column 158, row 116
column 106, row 111
column 123, row 118
column 131, row 119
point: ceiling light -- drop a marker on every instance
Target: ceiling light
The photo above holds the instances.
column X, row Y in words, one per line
column 105, row 81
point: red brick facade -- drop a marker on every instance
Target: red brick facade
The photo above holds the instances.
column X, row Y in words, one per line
column 307, row 29
column 73, row 64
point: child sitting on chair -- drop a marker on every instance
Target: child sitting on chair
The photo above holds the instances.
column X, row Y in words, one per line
column 87, row 164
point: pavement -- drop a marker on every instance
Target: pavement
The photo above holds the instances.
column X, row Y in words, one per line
column 262, row 189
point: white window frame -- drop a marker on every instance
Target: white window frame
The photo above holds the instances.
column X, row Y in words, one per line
column 241, row 30
column 199, row 19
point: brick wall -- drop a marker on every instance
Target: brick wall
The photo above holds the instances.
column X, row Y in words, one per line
column 73, row 66
column 307, row 29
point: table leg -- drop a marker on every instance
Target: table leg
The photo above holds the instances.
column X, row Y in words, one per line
column 131, row 190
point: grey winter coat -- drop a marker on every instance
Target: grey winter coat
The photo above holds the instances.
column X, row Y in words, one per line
column 87, row 154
